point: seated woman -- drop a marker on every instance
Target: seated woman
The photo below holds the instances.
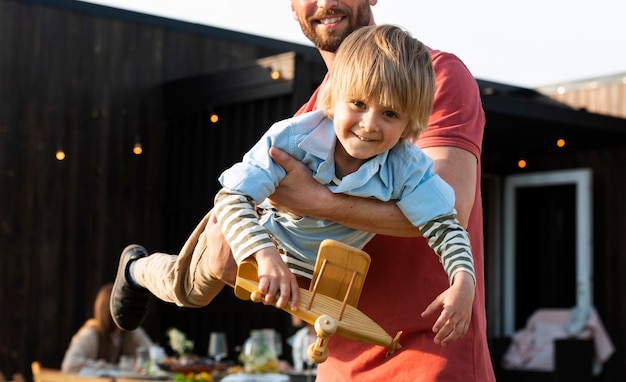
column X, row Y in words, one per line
column 99, row 343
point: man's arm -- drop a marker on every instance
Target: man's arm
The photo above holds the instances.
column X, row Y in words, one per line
column 299, row 193
column 458, row 168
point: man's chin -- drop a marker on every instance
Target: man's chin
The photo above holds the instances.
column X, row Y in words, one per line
column 330, row 40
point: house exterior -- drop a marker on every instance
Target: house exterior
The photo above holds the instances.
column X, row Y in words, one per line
column 94, row 81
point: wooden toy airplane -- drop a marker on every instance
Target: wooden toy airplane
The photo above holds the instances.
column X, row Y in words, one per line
column 330, row 303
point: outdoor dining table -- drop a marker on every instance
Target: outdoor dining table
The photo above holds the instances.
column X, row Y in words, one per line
column 41, row 374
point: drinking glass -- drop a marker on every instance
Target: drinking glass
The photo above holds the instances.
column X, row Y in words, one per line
column 218, row 347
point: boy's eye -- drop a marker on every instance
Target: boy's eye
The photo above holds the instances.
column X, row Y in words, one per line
column 390, row 114
column 357, row 103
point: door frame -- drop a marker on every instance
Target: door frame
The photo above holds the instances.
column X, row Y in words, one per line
column 582, row 180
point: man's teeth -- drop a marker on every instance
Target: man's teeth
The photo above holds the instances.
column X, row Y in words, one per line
column 330, row 20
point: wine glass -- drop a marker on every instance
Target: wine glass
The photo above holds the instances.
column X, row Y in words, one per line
column 218, row 348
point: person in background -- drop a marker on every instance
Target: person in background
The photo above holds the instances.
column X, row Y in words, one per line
column 300, row 341
column 99, row 344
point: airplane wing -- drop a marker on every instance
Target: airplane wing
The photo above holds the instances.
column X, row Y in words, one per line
column 340, row 271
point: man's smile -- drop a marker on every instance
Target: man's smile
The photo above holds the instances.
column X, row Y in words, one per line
column 330, row 20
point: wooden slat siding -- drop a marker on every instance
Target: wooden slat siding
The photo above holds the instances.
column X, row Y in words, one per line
column 603, row 95
column 79, row 76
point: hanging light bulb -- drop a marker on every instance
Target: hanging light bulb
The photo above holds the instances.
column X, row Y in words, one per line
column 521, row 163
column 214, row 118
column 137, row 148
column 560, row 143
column 60, row 154
column 275, row 74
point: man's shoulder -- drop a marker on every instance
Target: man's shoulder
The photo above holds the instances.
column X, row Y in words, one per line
column 443, row 58
column 449, row 67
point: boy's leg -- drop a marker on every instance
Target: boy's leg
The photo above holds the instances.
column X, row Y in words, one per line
column 185, row 279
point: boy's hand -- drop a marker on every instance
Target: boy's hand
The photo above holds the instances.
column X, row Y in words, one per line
column 276, row 281
column 455, row 304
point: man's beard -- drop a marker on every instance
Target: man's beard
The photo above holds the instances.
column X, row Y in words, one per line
column 330, row 41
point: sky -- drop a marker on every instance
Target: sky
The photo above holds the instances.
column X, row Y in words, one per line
column 530, row 43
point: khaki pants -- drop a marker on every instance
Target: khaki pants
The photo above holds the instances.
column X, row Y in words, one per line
column 184, row 279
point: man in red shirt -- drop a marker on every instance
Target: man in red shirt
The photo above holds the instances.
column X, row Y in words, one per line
column 405, row 275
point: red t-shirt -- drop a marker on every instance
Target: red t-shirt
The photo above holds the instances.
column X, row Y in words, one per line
column 405, row 274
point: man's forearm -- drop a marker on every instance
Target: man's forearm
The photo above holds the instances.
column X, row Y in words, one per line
column 299, row 193
column 369, row 215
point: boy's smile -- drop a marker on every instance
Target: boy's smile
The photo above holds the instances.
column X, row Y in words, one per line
column 364, row 131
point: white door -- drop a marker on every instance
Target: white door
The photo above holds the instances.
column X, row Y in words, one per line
column 547, row 242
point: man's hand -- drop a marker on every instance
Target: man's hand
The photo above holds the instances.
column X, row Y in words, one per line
column 298, row 192
column 276, row 281
column 455, row 304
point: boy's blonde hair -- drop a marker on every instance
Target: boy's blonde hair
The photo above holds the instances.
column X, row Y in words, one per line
column 385, row 64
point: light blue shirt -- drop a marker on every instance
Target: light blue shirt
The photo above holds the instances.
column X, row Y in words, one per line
column 404, row 174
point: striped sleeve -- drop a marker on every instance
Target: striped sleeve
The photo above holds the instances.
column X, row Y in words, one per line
column 450, row 241
column 239, row 222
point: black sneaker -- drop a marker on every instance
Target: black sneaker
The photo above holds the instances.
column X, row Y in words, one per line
column 129, row 303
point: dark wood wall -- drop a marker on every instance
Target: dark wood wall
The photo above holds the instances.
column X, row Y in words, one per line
column 89, row 80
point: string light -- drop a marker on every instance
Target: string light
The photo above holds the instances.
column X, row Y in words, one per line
column 137, row 148
column 60, row 154
column 214, row 118
column 275, row 74
column 522, row 163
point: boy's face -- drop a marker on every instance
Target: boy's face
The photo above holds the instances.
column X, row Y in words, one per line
column 367, row 129
column 327, row 23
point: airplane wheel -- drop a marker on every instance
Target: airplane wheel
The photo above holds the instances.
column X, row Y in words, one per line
column 256, row 296
column 315, row 356
column 325, row 326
